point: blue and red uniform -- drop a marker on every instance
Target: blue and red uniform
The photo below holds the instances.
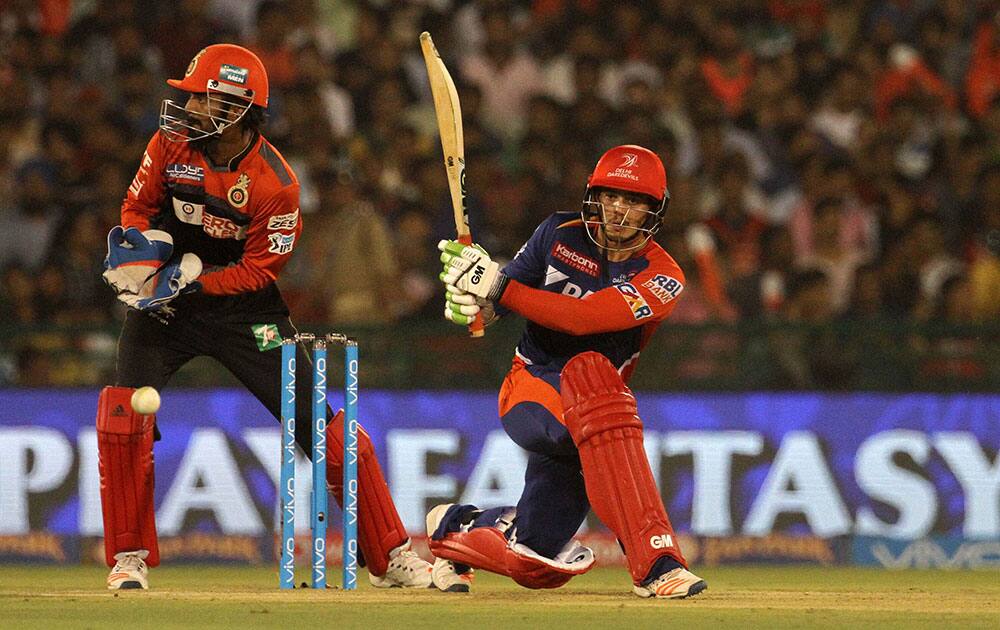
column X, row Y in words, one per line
column 574, row 300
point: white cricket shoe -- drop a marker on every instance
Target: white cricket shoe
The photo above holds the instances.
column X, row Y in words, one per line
column 447, row 579
column 676, row 584
column 444, row 576
column 406, row 570
column 130, row 571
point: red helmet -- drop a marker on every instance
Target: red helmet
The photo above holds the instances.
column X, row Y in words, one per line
column 629, row 168
column 632, row 168
column 232, row 79
column 233, row 68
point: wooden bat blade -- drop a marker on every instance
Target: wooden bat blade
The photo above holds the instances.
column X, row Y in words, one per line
column 448, row 110
column 449, row 118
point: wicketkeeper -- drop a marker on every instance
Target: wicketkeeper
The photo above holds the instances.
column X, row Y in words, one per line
column 593, row 287
column 208, row 223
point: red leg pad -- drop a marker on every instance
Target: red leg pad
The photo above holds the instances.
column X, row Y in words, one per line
column 379, row 528
column 488, row 549
column 125, row 456
column 602, row 418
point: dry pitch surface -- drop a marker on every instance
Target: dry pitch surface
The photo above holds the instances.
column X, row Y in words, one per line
column 753, row 596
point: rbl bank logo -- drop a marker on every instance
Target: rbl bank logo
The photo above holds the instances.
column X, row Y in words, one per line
column 664, row 288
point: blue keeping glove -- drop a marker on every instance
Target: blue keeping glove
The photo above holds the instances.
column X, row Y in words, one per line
column 174, row 279
column 134, row 256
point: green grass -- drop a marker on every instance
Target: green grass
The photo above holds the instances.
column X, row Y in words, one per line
column 757, row 596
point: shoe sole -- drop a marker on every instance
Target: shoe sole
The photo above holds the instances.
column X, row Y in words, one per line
column 693, row 590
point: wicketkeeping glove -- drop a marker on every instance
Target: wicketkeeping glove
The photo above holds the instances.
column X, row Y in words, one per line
column 470, row 269
column 134, row 256
column 174, row 279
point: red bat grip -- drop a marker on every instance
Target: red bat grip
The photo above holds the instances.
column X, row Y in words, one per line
column 476, row 327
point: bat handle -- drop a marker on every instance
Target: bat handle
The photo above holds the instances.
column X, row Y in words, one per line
column 476, row 327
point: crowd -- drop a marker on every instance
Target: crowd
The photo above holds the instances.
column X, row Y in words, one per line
column 827, row 160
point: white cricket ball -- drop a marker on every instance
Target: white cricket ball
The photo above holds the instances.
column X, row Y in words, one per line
column 145, row 401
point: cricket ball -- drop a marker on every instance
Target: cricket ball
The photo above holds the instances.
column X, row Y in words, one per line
column 145, row 401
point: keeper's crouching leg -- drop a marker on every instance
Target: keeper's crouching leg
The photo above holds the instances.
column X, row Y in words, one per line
column 601, row 415
column 380, row 529
column 125, row 456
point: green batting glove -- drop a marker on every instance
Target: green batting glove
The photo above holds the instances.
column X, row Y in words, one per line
column 470, row 269
column 460, row 307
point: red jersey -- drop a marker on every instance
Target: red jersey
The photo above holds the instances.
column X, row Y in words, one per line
column 242, row 219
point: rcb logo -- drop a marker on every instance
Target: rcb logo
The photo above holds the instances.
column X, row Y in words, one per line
column 194, row 63
column 238, row 194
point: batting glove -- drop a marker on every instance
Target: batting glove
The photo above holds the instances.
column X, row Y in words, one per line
column 470, row 269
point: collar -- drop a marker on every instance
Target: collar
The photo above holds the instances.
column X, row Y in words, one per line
column 234, row 162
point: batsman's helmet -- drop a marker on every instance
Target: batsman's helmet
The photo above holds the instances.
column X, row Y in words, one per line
column 232, row 78
column 630, row 168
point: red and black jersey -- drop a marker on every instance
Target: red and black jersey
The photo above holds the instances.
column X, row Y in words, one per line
column 242, row 219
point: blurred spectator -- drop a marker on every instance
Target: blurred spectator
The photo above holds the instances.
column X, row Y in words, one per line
column 506, row 74
column 829, row 254
column 271, row 42
column 982, row 84
column 28, row 228
column 728, row 69
column 858, row 226
column 346, row 267
column 810, row 355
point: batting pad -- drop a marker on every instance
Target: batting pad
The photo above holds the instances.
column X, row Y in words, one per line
column 487, row 548
column 379, row 528
column 602, row 418
column 125, row 455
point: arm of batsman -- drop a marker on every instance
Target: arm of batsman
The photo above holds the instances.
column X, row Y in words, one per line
column 469, row 269
column 134, row 256
column 174, row 279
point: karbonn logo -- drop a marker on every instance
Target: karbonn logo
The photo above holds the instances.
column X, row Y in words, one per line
column 629, row 160
column 576, row 260
column 661, row 541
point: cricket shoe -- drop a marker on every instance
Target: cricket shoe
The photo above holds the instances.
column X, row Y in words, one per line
column 676, row 584
column 445, row 575
column 447, row 578
column 130, row 571
column 406, row 570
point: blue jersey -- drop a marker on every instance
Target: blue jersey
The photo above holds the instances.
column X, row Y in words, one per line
column 589, row 303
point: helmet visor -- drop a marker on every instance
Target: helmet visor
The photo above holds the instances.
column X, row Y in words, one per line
column 620, row 222
column 225, row 105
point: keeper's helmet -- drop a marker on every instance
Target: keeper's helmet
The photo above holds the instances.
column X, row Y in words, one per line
column 629, row 168
column 231, row 77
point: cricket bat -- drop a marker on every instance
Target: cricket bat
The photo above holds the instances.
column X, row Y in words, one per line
column 449, row 119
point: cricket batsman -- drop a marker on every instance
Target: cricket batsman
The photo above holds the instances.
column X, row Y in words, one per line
column 593, row 287
column 207, row 225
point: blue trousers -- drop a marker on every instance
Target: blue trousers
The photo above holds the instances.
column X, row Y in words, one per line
column 554, row 502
